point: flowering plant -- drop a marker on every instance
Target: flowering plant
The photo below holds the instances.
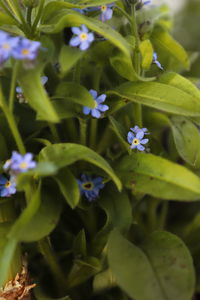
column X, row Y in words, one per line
column 99, row 152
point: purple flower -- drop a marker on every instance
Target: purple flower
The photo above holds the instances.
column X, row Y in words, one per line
column 136, row 140
column 26, row 49
column 155, row 61
column 90, row 187
column 99, row 109
column 19, row 163
column 83, row 37
column 106, row 12
column 7, row 44
column 7, row 187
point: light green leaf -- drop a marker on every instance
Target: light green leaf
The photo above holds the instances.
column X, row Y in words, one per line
column 68, row 58
column 164, row 43
column 146, row 50
column 164, row 267
column 6, row 20
column 68, row 186
column 187, row 140
column 65, row 18
column 160, row 96
column 154, row 175
column 66, row 154
column 76, row 93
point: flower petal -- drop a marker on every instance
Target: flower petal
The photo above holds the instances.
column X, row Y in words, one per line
column 140, row 134
column 144, row 141
column 140, row 147
column 76, row 30
column 75, row 41
column 101, row 98
column 130, row 137
column 84, row 45
column 96, row 113
column 93, row 93
column 86, row 110
column 103, row 107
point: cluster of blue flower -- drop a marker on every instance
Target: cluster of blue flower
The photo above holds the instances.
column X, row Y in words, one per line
column 17, row 47
column 15, row 165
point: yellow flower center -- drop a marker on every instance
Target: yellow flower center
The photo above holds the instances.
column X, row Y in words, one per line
column 23, row 165
column 6, row 46
column 7, row 184
column 25, row 51
column 83, row 36
column 88, row 186
column 103, row 8
column 135, row 141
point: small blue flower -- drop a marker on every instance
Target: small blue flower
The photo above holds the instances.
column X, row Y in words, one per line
column 155, row 61
column 136, row 129
column 26, row 49
column 90, row 187
column 83, row 39
column 19, row 163
column 99, row 109
column 106, row 12
column 147, row 2
column 7, row 44
column 7, row 186
column 136, row 139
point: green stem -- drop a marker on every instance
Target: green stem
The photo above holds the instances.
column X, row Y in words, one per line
column 105, row 140
column 83, row 131
column 93, row 132
column 16, row 9
column 50, row 258
column 29, row 16
column 54, row 132
column 136, row 62
column 163, row 215
column 38, row 16
column 71, row 129
column 12, row 124
column 12, row 86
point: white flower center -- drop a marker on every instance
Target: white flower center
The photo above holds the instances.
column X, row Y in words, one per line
column 83, row 36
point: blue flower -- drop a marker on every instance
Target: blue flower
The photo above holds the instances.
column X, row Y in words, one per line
column 106, row 12
column 19, row 163
column 83, row 39
column 155, row 61
column 90, row 187
column 26, row 49
column 147, row 2
column 99, row 109
column 7, row 187
column 136, row 129
column 7, row 44
column 136, row 139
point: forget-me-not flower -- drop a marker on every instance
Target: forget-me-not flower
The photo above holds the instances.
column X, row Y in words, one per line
column 83, row 37
column 136, row 129
column 90, row 187
column 7, row 44
column 106, row 12
column 99, row 109
column 136, row 139
column 7, row 186
column 26, row 49
column 155, row 61
column 19, row 163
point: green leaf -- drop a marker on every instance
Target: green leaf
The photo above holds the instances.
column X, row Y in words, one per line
column 146, row 50
column 68, row 186
column 160, row 96
column 43, row 222
column 6, row 20
column 76, row 93
column 164, row 267
column 68, row 58
column 187, row 140
column 120, row 132
column 66, row 154
column 158, row 177
column 80, row 244
column 30, row 82
column 58, row 19
column 164, row 43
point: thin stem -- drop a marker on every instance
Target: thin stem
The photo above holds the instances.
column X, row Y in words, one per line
column 93, row 132
column 12, row 124
column 71, row 129
column 83, row 131
column 50, row 258
column 12, row 86
column 54, row 132
column 17, row 12
column 136, row 61
column 38, row 16
column 163, row 215
column 124, row 13
column 29, row 15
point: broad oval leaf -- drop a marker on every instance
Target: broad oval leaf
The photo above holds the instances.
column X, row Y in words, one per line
column 66, row 154
column 164, row 267
column 68, row 58
column 187, row 140
column 159, row 177
column 160, row 96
